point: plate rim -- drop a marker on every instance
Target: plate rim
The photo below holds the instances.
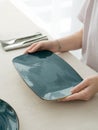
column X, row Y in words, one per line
column 14, row 112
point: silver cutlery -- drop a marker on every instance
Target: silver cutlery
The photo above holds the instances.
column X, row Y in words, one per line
column 17, row 40
column 22, row 42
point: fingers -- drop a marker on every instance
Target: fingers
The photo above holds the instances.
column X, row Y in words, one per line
column 80, row 92
column 71, row 98
column 80, row 86
column 83, row 95
column 29, row 49
column 35, row 47
column 42, row 45
column 76, row 96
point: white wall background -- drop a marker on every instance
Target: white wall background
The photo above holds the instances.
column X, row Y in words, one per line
column 59, row 17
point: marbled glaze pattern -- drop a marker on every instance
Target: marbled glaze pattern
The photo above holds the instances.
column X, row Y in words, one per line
column 8, row 117
column 49, row 76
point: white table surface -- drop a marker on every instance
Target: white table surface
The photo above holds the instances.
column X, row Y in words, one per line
column 33, row 112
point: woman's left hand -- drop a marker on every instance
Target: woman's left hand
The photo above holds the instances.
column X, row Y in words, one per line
column 85, row 90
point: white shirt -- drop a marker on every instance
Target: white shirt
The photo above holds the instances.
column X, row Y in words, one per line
column 89, row 16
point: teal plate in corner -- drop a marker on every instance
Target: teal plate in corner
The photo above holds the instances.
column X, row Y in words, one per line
column 8, row 117
column 49, row 76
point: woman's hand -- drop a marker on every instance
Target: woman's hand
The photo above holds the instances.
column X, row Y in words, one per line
column 85, row 90
column 43, row 45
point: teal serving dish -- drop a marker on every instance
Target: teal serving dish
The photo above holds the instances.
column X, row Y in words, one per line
column 49, row 76
column 8, row 117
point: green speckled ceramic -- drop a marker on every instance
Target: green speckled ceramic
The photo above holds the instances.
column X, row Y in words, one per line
column 8, row 117
column 49, row 76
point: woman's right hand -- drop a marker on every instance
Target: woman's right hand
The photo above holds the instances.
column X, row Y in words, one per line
column 43, row 45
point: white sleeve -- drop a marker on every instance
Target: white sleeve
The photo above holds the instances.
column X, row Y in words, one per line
column 83, row 11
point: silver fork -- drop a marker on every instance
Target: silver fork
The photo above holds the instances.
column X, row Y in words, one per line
column 18, row 40
column 24, row 43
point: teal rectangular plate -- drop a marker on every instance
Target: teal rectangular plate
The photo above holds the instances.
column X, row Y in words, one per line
column 49, row 76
